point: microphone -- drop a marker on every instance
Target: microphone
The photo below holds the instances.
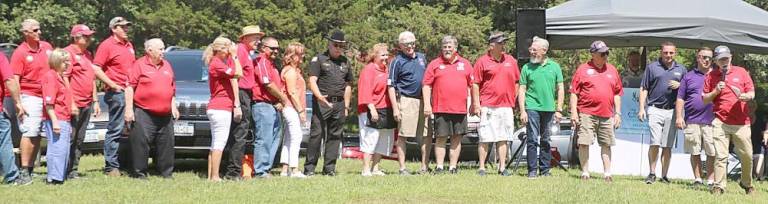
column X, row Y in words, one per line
column 723, row 72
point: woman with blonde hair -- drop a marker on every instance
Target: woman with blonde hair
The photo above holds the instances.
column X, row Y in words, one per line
column 294, row 113
column 57, row 102
column 375, row 118
column 224, row 105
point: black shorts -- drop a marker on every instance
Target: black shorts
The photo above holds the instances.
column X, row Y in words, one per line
column 450, row 124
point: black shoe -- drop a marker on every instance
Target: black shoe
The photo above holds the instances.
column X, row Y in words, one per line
column 650, row 179
column 439, row 171
column 481, row 172
column 505, row 173
column 453, row 171
column 664, row 179
column 54, row 182
column 717, row 191
column 532, row 175
column 329, row 173
column 749, row 190
column 73, row 175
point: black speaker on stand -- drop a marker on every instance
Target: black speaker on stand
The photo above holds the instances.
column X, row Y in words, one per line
column 530, row 22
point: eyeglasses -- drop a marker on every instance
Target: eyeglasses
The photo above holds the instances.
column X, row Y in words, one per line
column 706, row 57
column 274, row 49
column 340, row 45
column 36, row 30
column 604, row 54
column 410, row 44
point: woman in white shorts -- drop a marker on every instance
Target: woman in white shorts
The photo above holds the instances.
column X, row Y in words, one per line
column 224, row 105
column 376, row 120
column 294, row 113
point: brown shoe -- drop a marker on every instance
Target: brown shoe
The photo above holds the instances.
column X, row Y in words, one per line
column 114, row 173
column 608, row 179
column 717, row 191
column 749, row 190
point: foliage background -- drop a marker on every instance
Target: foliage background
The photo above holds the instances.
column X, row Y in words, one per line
column 194, row 24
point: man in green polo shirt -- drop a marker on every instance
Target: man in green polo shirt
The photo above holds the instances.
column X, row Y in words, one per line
column 540, row 79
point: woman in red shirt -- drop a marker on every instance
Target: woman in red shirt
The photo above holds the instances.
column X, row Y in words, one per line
column 57, row 100
column 224, row 104
column 294, row 112
column 376, row 120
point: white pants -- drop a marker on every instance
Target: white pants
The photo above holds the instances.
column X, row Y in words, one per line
column 220, row 125
column 375, row 141
column 292, row 135
column 33, row 106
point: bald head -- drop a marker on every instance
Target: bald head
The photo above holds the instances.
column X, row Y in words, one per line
column 154, row 48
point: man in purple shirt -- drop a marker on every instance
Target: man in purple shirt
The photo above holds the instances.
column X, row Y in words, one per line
column 698, row 116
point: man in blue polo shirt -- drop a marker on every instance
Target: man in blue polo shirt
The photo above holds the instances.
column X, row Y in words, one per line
column 659, row 86
column 405, row 75
column 697, row 123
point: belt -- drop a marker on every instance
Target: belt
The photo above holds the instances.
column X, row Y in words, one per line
column 261, row 101
column 334, row 99
column 663, row 106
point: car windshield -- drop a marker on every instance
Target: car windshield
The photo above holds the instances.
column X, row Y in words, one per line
column 188, row 65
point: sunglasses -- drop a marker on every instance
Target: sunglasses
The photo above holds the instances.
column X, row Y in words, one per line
column 604, row 54
column 274, row 49
column 410, row 44
column 36, row 30
column 706, row 57
column 340, row 45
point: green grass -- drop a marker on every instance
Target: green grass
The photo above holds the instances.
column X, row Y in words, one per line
column 350, row 187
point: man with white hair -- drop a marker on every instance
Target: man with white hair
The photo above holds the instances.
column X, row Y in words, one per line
column 494, row 72
column 151, row 88
column 540, row 80
column 114, row 58
column 405, row 75
column 29, row 63
column 446, row 87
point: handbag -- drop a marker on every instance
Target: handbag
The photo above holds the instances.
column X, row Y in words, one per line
column 386, row 119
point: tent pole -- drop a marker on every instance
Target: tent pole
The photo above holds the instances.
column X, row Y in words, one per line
column 644, row 57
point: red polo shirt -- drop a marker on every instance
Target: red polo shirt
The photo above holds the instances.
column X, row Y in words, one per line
column 5, row 74
column 57, row 95
column 116, row 59
column 372, row 88
column 596, row 88
column 727, row 106
column 244, row 56
column 265, row 73
column 153, row 86
column 219, row 75
column 497, row 80
column 81, row 76
column 450, row 81
column 30, row 65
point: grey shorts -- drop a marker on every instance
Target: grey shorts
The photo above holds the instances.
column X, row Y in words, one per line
column 447, row 125
column 662, row 125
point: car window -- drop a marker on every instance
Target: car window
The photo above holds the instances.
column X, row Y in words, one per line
column 188, row 65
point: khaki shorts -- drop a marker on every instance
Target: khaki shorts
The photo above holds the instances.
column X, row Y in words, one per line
column 413, row 123
column 596, row 127
column 661, row 122
column 698, row 137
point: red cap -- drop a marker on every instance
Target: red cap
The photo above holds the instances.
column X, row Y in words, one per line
column 81, row 30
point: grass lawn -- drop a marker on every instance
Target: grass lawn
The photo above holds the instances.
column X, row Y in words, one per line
column 349, row 187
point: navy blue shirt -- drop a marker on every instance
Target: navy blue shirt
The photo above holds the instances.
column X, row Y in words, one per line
column 406, row 74
column 656, row 80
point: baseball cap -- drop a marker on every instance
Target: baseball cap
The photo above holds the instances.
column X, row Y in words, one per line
column 598, row 46
column 722, row 51
column 116, row 21
column 337, row 36
column 81, row 30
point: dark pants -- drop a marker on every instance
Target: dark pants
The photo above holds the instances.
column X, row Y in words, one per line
column 328, row 125
column 79, row 125
column 10, row 113
column 116, row 103
column 240, row 135
column 147, row 130
column 538, row 130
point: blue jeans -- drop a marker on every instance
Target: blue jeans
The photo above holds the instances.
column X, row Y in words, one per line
column 57, row 155
column 266, row 137
column 7, row 157
column 538, row 130
column 116, row 103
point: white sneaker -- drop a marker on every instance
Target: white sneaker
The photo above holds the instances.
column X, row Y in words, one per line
column 298, row 175
column 367, row 174
column 378, row 173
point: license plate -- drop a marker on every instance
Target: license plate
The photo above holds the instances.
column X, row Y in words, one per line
column 183, row 129
column 94, row 135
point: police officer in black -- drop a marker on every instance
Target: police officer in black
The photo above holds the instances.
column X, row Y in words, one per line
column 330, row 76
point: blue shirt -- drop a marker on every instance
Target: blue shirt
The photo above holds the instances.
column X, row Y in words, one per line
column 656, row 80
column 406, row 74
column 691, row 87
